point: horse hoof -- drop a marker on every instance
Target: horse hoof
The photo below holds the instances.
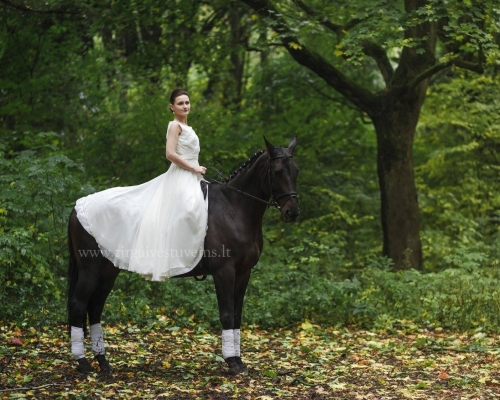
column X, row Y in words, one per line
column 237, row 370
column 243, row 369
column 233, row 371
column 236, row 366
column 232, row 363
column 104, row 364
column 106, row 369
column 84, row 366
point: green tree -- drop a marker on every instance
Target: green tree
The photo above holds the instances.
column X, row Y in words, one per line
column 380, row 55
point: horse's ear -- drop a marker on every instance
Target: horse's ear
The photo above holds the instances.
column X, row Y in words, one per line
column 269, row 146
column 291, row 146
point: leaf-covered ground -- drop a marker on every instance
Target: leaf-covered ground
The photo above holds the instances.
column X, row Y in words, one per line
column 306, row 362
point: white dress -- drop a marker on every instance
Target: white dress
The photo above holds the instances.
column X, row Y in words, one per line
column 156, row 229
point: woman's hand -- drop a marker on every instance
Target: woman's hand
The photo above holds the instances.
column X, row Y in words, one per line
column 200, row 170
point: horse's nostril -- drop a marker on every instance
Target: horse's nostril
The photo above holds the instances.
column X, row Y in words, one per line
column 291, row 214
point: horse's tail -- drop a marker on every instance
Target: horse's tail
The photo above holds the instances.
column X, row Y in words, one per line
column 72, row 279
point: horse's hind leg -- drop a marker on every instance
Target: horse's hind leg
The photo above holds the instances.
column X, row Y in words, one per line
column 78, row 302
column 95, row 307
column 85, row 264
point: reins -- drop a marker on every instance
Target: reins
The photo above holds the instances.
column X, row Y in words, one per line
column 238, row 190
column 274, row 196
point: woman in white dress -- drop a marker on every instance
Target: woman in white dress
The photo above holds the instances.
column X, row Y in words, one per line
column 156, row 229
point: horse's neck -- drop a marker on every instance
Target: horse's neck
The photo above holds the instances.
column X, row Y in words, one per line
column 249, row 180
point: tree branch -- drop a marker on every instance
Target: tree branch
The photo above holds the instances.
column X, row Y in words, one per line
column 248, row 47
column 325, row 21
column 28, row 9
column 28, row 388
column 428, row 73
column 378, row 53
column 338, row 29
column 211, row 21
column 352, row 23
column 478, row 68
column 359, row 96
column 371, row 49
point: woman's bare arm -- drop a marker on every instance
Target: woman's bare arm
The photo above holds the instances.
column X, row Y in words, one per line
column 173, row 136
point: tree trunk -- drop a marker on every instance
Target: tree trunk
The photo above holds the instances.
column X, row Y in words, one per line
column 237, row 55
column 395, row 125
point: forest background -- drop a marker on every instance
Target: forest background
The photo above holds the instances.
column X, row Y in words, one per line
column 84, row 89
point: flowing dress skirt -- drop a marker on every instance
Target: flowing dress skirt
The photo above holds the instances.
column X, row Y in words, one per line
column 156, row 229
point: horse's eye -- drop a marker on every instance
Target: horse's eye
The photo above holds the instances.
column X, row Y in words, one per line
column 278, row 171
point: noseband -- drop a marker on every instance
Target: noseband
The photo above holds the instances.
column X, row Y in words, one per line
column 274, row 195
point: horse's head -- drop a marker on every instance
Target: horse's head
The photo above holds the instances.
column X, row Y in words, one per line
column 282, row 177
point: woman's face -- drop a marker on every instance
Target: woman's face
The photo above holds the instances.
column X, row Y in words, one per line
column 181, row 105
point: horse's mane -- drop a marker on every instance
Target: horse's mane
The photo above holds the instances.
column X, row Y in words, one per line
column 244, row 165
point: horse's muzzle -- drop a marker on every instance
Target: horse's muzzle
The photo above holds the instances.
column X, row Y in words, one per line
column 290, row 214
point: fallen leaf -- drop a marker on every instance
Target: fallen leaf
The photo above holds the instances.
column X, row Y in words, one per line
column 306, row 325
column 443, row 374
column 16, row 341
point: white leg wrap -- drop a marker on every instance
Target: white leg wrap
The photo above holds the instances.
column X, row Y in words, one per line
column 237, row 342
column 227, row 343
column 77, row 343
column 97, row 339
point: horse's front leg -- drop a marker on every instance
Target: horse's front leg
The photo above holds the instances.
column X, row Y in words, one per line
column 240, row 288
column 224, row 280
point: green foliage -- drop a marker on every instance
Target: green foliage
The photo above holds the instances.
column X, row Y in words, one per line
column 453, row 298
column 458, row 149
column 34, row 189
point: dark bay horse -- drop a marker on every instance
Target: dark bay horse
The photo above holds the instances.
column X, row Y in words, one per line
column 236, row 210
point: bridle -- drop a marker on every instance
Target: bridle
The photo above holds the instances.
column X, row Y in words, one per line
column 274, row 195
